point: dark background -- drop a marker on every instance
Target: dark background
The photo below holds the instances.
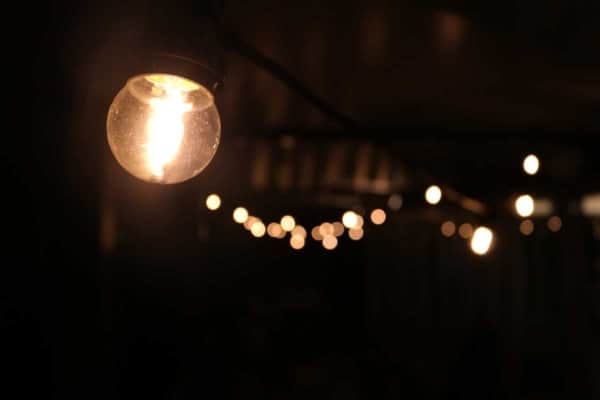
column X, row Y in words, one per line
column 115, row 288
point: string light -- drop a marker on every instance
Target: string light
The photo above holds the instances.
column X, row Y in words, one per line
column 355, row 234
column 297, row 242
column 350, row 219
column 299, row 231
column 433, row 194
column 448, row 228
column 395, row 202
column 316, row 234
column 338, row 229
column 531, row 164
column 240, row 215
column 330, row 242
column 524, row 205
column 378, row 216
column 258, row 229
column 526, row 227
column 465, row 230
column 250, row 221
column 482, row 240
column 213, row 202
column 275, row 231
column 554, row 223
column 326, row 229
column 287, row 223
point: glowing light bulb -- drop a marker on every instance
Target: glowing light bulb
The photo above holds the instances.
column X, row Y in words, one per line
column 163, row 128
column 338, row 229
column 330, row 242
column 448, row 228
column 350, row 219
column 326, row 229
column 433, row 194
column 299, row 231
column 531, row 164
column 297, row 242
column 316, row 234
column 526, row 227
column 465, row 230
column 482, row 240
column 213, row 202
column 554, row 223
column 287, row 223
column 355, row 234
column 378, row 216
column 258, row 229
column 524, row 205
column 240, row 215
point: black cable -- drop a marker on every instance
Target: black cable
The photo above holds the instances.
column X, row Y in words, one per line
column 233, row 42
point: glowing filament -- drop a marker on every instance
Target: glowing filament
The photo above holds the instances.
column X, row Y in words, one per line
column 165, row 130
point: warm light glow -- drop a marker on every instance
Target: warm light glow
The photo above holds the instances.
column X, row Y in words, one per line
column 213, row 202
column 590, row 205
column 297, row 242
column 258, row 229
column 250, row 221
column 240, row 215
column 465, row 230
column 531, row 164
column 482, row 240
column 554, row 223
column 355, row 234
column 526, row 227
column 330, row 242
column 326, row 229
column 433, row 194
column 395, row 202
column 299, row 231
column 275, row 231
column 350, row 219
column 448, row 228
column 287, row 223
column 163, row 128
column 360, row 221
column 378, row 216
column 338, row 229
column 524, row 205
column 316, row 234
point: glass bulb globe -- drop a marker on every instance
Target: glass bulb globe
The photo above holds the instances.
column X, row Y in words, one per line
column 163, row 128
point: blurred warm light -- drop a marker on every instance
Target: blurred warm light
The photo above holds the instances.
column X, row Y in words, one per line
column 287, row 223
column 316, row 234
column 524, row 205
column 258, row 229
column 526, row 227
column 163, row 128
column 326, row 229
column 240, row 215
column 274, row 230
column 378, row 216
column 590, row 205
column 531, row 164
column 359, row 222
column 297, row 242
column 554, row 223
column 330, row 242
column 395, row 202
column 251, row 220
column 465, row 230
column 338, row 229
column 433, row 194
column 299, row 231
column 356, row 234
column 482, row 240
column 542, row 207
column 213, row 202
column 350, row 219
column 448, row 228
